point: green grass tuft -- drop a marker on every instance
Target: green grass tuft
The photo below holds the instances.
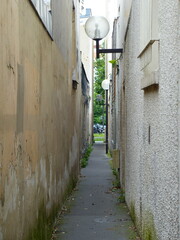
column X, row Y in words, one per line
column 84, row 159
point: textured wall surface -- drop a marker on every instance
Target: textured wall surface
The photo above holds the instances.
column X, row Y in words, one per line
column 86, row 48
column 39, row 116
column 152, row 142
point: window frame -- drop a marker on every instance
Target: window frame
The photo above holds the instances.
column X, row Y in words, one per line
column 149, row 43
column 148, row 24
column 44, row 14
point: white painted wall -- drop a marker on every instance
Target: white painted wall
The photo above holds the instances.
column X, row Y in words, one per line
column 124, row 8
column 152, row 124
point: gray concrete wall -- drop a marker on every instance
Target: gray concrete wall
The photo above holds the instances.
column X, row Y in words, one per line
column 151, row 127
column 39, row 116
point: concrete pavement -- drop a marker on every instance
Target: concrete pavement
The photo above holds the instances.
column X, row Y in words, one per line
column 95, row 213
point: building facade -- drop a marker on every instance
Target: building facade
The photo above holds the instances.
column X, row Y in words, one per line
column 145, row 107
column 86, row 50
column 40, row 113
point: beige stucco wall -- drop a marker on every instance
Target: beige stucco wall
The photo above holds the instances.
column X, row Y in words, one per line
column 39, row 115
column 151, row 127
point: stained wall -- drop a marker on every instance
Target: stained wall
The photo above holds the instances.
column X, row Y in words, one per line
column 39, row 114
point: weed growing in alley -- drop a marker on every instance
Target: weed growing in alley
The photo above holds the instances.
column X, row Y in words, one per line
column 121, row 198
column 117, row 185
column 116, row 182
column 84, row 159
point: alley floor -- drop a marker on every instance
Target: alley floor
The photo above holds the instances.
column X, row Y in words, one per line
column 94, row 212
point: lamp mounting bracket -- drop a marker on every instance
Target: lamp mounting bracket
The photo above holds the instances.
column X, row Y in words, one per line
column 112, row 50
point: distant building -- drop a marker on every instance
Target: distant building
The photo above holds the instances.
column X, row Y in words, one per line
column 82, row 7
column 86, row 14
column 86, row 49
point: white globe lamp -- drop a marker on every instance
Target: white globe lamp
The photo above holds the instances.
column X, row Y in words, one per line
column 97, row 27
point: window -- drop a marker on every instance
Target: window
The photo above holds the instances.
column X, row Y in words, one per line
column 43, row 8
column 149, row 22
column 149, row 42
column 82, row 8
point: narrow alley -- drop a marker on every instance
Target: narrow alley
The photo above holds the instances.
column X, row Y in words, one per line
column 94, row 211
column 77, row 71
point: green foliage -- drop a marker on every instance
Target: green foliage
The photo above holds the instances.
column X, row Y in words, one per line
column 114, row 62
column 121, row 198
column 84, row 160
column 99, row 67
column 99, row 111
column 109, row 154
column 115, row 173
column 116, row 182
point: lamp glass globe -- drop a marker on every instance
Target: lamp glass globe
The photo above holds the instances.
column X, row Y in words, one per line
column 105, row 84
column 97, row 27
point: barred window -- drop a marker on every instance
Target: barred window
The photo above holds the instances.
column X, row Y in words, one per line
column 43, row 8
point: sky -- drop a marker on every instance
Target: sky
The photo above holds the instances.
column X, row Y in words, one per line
column 47, row 1
column 97, row 6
